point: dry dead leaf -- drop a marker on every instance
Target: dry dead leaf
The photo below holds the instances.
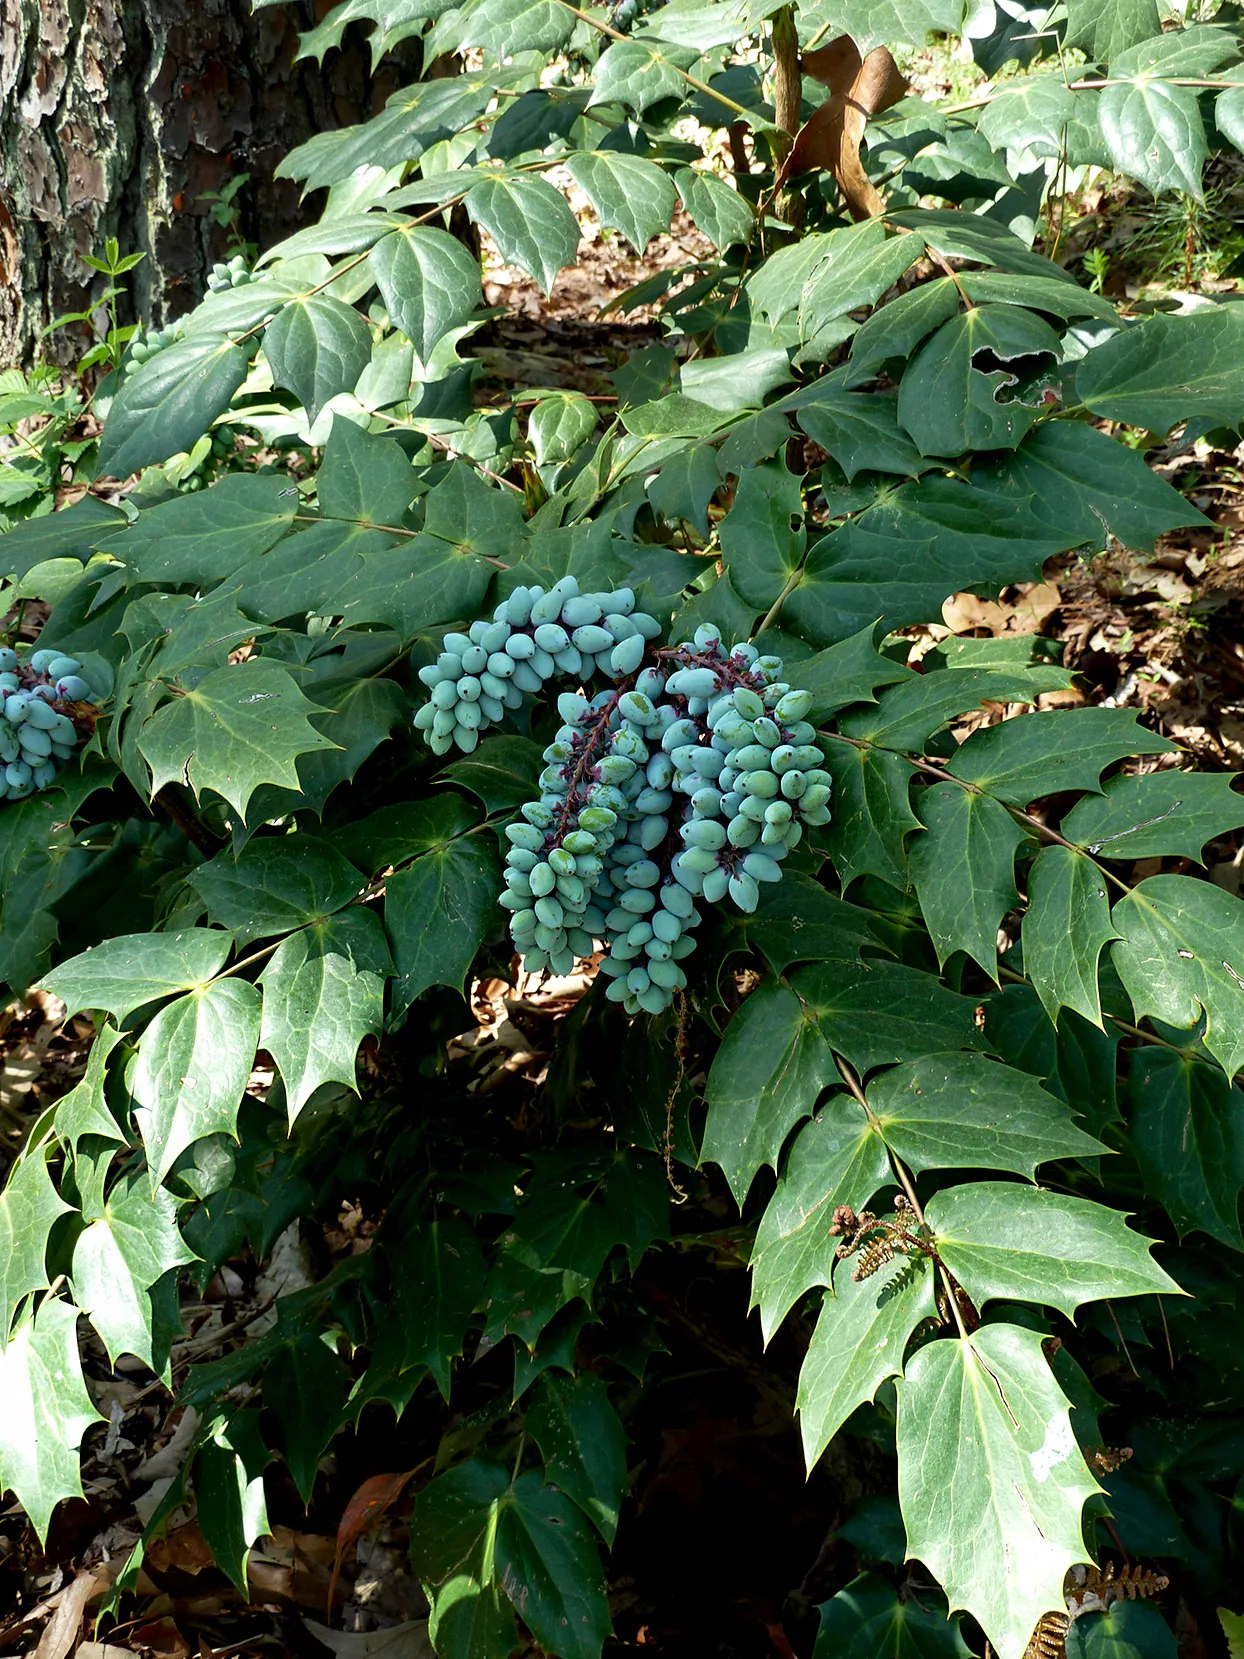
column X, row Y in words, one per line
column 402, row 1641
column 829, row 140
column 60, row 1633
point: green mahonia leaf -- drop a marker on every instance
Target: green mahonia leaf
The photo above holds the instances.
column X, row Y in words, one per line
column 73, row 532
column 429, row 282
column 29, row 1204
column 193, row 1063
column 84, row 1110
column 201, row 538
column 907, row 715
column 1187, row 1132
column 164, row 406
column 884, row 22
column 1168, row 369
column 894, row 331
column 872, row 815
column 407, row 829
column 716, row 210
column 1154, row 132
column 641, row 72
column 316, row 348
column 135, row 968
column 963, row 870
column 1104, row 28
column 502, row 772
column 963, row 1111
column 685, row 486
column 438, row 1273
column 365, row 477
column 1024, row 1244
column 560, row 425
column 765, row 1077
column 867, row 1620
column 229, row 1491
column 741, row 380
column 530, row 223
column 516, row 1538
column 948, row 404
column 323, row 993
column 503, row 27
column 1040, row 754
column 240, row 727
column 1126, row 1630
column 761, row 546
column 437, row 912
column 1155, row 814
column 582, row 1443
column 627, row 193
column 1036, row 293
column 842, row 673
column 855, row 267
column 973, row 236
column 117, row 1261
column 861, row 431
column 305, row 1386
column 44, row 1412
column 1178, row 946
column 796, row 920
column 834, row 1159
column 414, row 119
column 991, row 1480
column 1066, row 926
column 275, row 884
column 858, row 1343
column 875, row 1012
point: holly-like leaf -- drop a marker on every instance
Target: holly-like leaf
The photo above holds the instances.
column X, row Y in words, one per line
column 203, row 537
column 964, row 387
column 529, row 221
column 1040, row 754
column 560, row 425
column 1131, row 1630
column 796, row 920
column 882, row 22
column 518, row 1537
column 162, row 407
column 860, row 430
column 84, row 1110
column 907, row 715
column 963, row 870
column 275, row 884
column 849, row 672
column 1155, row 814
column 501, row 772
column 1167, row 369
column 991, row 1481
column 964, row 1111
column 240, row 727
column 503, row 27
column 229, row 1492
column 365, row 477
column 686, row 484
column 437, row 912
column 859, row 1342
column 44, row 1412
column 627, row 193
column 123, row 973
column 641, row 72
column 1187, row 1132
column 1024, row 1244
column 872, row 815
column 867, row 1620
column 1154, row 132
column 1101, row 29
column 317, row 347
column 192, row 1067
column 29, row 1204
column 724, row 216
column 1065, row 929
column 429, row 282
column 877, row 1012
column 117, row 1261
column 1180, row 951
column 438, row 1272
column 323, row 992
column 305, row 1386
column 765, row 1077
column 582, row 1443
column 894, row 330
column 72, row 533
column 855, row 267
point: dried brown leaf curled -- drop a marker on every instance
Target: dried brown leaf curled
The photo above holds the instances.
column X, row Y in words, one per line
column 829, row 141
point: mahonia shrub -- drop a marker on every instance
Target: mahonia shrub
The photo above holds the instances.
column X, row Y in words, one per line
column 621, row 681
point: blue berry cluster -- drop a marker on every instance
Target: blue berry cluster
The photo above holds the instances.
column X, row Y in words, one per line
column 690, row 778
column 534, row 636
column 37, row 725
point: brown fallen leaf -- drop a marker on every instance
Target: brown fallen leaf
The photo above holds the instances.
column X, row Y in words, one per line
column 60, row 1633
column 366, row 1507
column 829, row 140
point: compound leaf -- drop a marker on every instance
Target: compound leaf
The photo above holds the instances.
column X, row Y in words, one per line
column 275, row 884
column 875, row 1012
column 437, row 912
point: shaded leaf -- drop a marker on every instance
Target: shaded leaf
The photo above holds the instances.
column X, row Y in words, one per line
column 582, row 1443
column 964, row 387
column 305, row 1385
column 871, row 812
column 868, row 1620
column 437, row 912
column 364, row 477
column 1167, row 369
column 1187, row 1133
column 228, row 1489
column 274, row 885
column 209, row 535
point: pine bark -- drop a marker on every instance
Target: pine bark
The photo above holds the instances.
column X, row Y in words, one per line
column 117, row 116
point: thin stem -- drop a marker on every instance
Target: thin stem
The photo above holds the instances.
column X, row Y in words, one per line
column 700, row 86
column 770, row 616
column 1211, row 81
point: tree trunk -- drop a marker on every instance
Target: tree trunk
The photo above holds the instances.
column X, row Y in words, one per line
column 118, row 116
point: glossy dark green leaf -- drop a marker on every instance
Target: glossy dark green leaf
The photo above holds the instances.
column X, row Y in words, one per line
column 1126, row 1630
column 429, row 282
column 641, row 72
column 240, row 727
column 44, row 1412
column 834, row 1159
column 1042, row 293
column 686, row 484
column 560, row 425
column 364, row 477
column 964, row 1111
column 736, row 381
column 305, row 1385
column 1066, row 926
column 323, row 993
column 796, row 920
column 990, row 1476
column 877, row 1012
column 437, row 912
column 868, row 1620
column 84, row 1110
column 860, row 430
column 275, row 884
column 1187, row 1132
column 583, row 1445
column 438, row 1274
column 763, row 536
column 1180, row 953
column 963, row 870
column 203, row 537
column 229, row 1491
column 501, row 772
column 164, row 406
column 125, row 972
column 964, row 387
column 765, row 1077
column 1167, row 369
column 407, row 829
column 74, row 532
column 1154, row 814
column 1154, row 132
column 530, row 223
column 316, row 348
column 193, row 1063
column 29, row 1204
column 849, row 672
column 1040, row 754
column 117, row 1262
column 895, row 329
column 859, row 1342
column 907, row 715
column 871, row 812
column 628, row 194
column 974, row 236
column 854, row 268
column 1025, row 1244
